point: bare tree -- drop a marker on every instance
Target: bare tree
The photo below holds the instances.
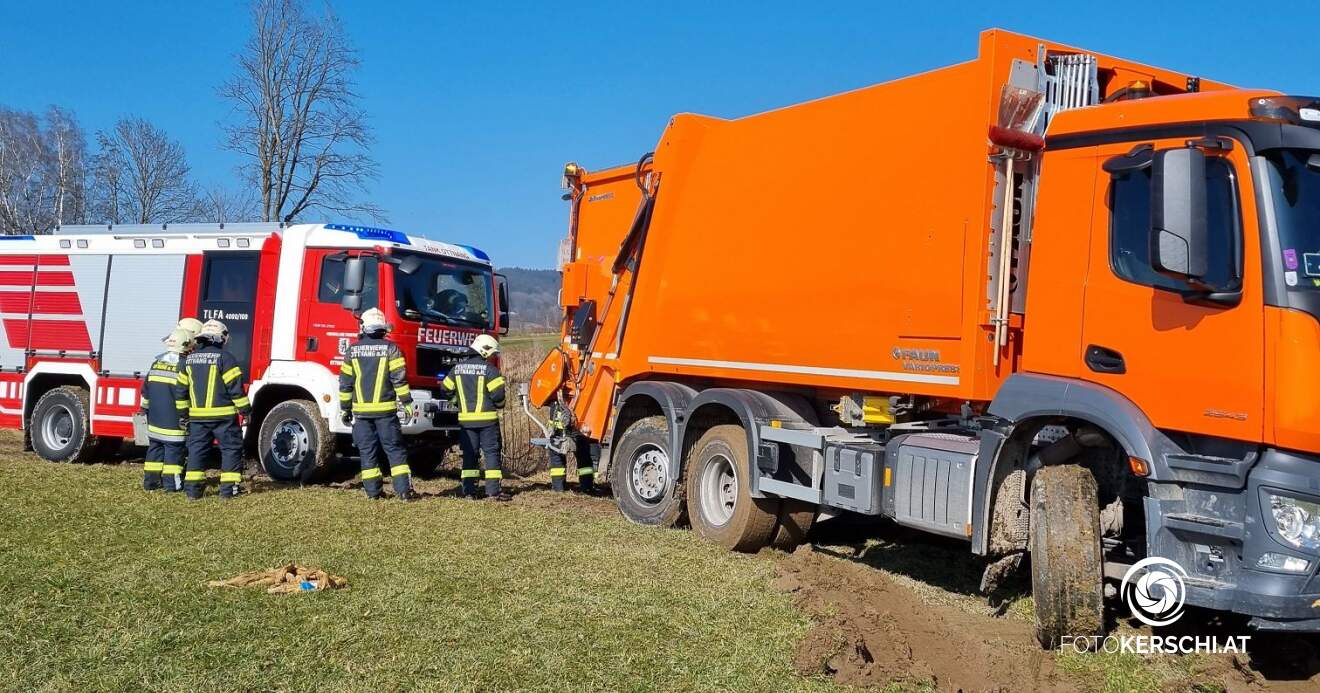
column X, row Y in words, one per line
column 297, row 123
column 142, row 176
column 226, row 206
column 66, row 154
column 41, row 171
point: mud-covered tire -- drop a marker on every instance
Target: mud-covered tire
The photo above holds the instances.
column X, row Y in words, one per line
column 720, row 506
column 61, row 427
column 641, row 475
column 795, row 520
column 1066, row 562
column 295, row 443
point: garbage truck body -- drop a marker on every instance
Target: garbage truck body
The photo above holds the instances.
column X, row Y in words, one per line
column 960, row 299
column 84, row 311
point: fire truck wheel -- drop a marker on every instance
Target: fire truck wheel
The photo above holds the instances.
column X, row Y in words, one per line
column 795, row 520
column 295, row 442
column 60, row 427
column 1066, row 563
column 719, row 499
column 640, row 475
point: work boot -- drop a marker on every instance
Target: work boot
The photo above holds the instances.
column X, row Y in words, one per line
column 230, row 493
column 151, row 482
column 410, row 496
column 500, row 497
column 557, row 481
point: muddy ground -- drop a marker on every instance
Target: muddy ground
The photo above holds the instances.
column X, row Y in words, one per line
column 894, row 606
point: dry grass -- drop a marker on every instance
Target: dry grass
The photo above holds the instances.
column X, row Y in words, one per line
column 519, row 357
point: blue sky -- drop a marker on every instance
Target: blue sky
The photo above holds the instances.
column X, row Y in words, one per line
column 476, row 106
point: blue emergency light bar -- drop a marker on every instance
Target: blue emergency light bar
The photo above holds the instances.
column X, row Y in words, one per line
column 368, row 233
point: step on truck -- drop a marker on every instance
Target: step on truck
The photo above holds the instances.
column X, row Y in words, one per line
column 1055, row 304
column 83, row 312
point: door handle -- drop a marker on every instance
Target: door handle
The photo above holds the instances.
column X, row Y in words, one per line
column 311, row 344
column 1104, row 360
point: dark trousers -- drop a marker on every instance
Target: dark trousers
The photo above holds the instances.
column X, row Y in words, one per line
column 163, row 467
column 585, row 453
column 201, row 432
column 485, row 440
column 372, row 435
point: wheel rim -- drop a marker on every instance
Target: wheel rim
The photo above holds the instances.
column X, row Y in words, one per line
column 650, row 473
column 719, row 490
column 290, row 443
column 57, row 428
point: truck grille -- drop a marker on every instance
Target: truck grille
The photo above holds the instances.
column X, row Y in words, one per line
column 435, row 363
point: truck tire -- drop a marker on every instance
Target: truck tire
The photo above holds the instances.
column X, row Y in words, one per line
column 61, row 426
column 295, row 443
column 719, row 501
column 795, row 520
column 1066, row 563
column 641, row 475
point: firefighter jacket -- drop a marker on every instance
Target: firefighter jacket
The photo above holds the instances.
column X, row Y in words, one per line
column 211, row 381
column 478, row 389
column 164, row 410
column 373, row 378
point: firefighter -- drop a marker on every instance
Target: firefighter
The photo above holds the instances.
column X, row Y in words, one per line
column 166, row 417
column 211, row 381
column 585, row 453
column 476, row 386
column 372, row 381
column 190, row 325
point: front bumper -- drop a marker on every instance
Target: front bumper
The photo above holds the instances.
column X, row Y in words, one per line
column 1218, row 531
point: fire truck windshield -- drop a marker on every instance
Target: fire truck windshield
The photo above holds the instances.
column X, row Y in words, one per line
column 1295, row 182
column 442, row 290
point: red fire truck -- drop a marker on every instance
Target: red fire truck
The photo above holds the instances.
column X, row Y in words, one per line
column 82, row 313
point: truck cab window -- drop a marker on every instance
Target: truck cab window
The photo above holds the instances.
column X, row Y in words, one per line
column 331, row 286
column 1129, row 229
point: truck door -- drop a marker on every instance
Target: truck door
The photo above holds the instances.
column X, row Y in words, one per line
column 325, row 328
column 229, row 294
column 1197, row 368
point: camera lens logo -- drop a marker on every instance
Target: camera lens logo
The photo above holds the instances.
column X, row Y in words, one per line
column 1155, row 589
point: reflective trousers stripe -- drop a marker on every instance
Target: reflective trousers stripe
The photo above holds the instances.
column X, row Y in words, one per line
column 494, row 474
column 400, row 469
column 471, row 473
column 230, row 477
column 373, row 473
column 583, row 471
column 479, row 416
column 153, row 466
column 172, row 469
column 558, row 471
column 195, row 476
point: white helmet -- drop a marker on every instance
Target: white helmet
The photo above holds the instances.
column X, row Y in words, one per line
column 215, row 331
column 373, row 320
column 485, row 345
column 178, row 341
column 190, row 325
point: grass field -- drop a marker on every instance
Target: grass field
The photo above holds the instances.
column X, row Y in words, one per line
column 102, row 588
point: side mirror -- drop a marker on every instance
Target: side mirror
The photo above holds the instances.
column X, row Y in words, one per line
column 355, row 278
column 1179, row 230
column 502, row 301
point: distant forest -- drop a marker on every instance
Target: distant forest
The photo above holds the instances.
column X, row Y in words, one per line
column 534, row 294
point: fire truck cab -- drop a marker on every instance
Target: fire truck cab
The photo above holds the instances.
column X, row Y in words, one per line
column 82, row 313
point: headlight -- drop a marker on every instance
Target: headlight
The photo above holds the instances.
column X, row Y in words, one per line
column 1297, row 521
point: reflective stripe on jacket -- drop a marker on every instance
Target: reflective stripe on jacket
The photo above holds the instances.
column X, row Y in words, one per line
column 159, row 400
column 373, row 377
column 478, row 389
column 211, row 382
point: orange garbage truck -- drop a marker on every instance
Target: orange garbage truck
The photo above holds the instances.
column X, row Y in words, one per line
column 1062, row 306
